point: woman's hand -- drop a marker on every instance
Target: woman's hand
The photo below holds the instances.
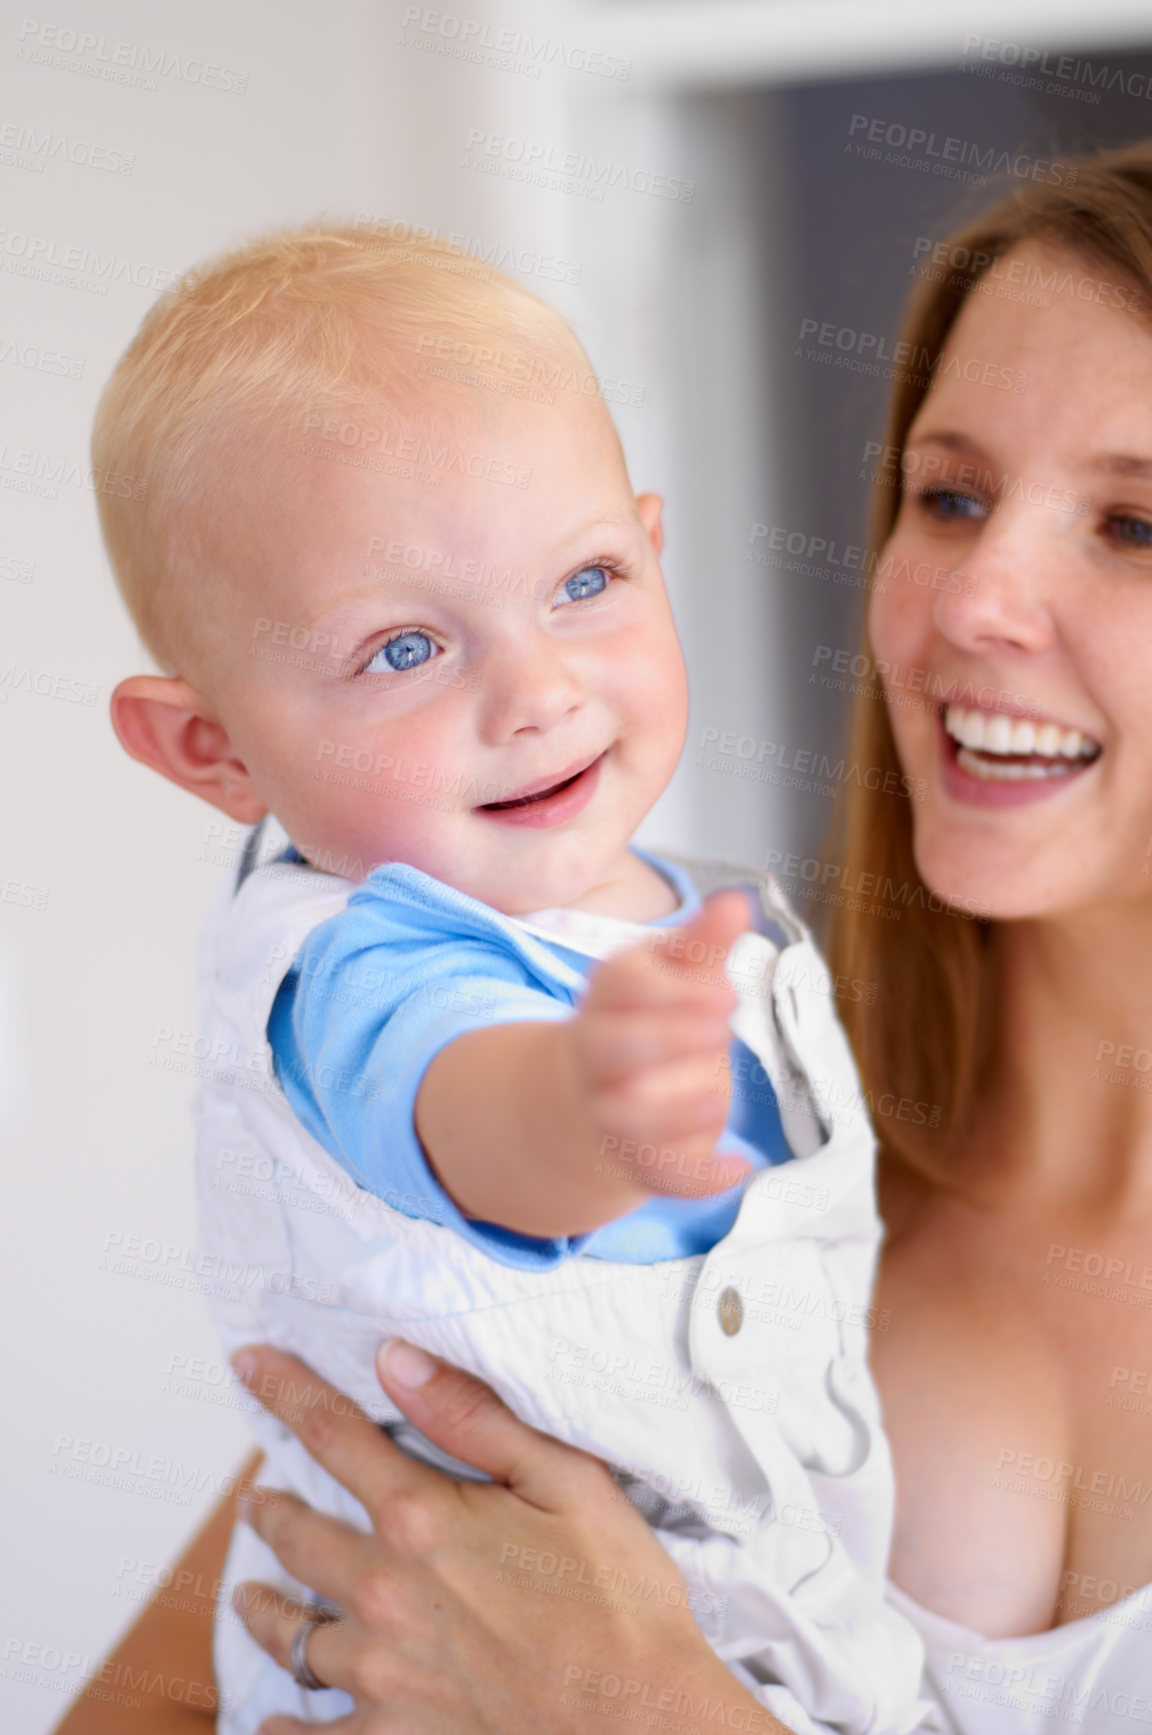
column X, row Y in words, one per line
column 523, row 1605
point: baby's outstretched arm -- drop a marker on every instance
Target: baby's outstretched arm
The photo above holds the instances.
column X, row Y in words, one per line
column 553, row 1129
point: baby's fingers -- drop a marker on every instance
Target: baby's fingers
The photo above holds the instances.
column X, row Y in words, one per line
column 615, row 1044
column 663, row 1124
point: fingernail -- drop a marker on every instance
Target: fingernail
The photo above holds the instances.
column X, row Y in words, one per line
column 245, row 1364
column 404, row 1363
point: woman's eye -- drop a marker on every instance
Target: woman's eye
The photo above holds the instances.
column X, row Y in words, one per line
column 949, row 505
column 1133, row 534
column 589, row 581
column 405, row 651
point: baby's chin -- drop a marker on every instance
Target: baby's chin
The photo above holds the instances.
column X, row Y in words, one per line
column 517, row 888
column 522, row 894
column 513, row 869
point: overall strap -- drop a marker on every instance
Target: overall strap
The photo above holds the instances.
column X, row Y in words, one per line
column 266, row 840
column 776, row 918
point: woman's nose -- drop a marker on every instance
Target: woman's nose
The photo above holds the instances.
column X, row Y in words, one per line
column 1004, row 590
column 528, row 686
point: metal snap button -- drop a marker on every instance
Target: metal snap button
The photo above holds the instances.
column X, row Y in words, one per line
column 731, row 1311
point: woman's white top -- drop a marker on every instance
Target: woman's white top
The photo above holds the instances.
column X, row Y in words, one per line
column 1093, row 1674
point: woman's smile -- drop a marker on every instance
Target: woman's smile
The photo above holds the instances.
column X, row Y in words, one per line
column 992, row 759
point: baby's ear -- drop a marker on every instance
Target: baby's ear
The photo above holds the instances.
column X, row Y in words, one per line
column 163, row 722
column 651, row 508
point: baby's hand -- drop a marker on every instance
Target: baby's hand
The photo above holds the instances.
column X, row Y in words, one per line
column 652, row 1041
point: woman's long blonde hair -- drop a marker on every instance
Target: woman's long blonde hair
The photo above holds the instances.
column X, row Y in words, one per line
column 923, row 1046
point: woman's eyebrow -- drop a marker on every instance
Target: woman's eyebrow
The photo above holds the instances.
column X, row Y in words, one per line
column 951, row 440
column 1121, row 464
column 1102, row 463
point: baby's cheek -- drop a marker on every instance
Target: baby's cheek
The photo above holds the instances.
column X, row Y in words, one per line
column 656, row 682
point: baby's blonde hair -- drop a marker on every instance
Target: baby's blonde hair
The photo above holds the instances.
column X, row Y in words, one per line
column 253, row 346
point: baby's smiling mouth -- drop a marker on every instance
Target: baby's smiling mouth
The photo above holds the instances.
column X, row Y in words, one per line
column 998, row 748
column 533, row 795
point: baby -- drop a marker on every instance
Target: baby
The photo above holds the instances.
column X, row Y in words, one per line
column 479, row 1047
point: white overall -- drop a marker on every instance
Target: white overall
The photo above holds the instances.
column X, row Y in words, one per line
column 729, row 1390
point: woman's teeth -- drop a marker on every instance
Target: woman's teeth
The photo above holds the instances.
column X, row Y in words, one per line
column 993, row 745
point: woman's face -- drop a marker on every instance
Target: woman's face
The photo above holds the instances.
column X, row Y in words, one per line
column 1014, row 611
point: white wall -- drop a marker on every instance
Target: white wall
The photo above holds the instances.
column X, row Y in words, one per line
column 104, row 869
column 336, row 116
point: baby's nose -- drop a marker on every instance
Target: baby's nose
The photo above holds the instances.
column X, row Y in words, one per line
column 533, row 690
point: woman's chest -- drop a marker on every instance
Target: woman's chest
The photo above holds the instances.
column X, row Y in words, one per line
column 1016, row 1379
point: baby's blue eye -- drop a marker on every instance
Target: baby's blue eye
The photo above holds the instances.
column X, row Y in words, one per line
column 405, row 651
column 589, row 582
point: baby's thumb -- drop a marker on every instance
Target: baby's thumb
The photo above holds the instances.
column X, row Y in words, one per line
column 707, row 939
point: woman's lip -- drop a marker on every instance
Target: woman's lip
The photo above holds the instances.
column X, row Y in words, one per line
column 548, row 810
column 985, row 792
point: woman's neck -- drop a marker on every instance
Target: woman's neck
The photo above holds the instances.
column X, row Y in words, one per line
column 1069, row 1104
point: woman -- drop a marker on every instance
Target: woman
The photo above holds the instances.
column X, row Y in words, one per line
column 1011, row 625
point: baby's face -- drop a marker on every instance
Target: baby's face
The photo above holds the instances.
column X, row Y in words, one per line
column 476, row 677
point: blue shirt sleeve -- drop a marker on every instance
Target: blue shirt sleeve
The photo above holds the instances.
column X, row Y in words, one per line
column 374, row 993
column 409, row 965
